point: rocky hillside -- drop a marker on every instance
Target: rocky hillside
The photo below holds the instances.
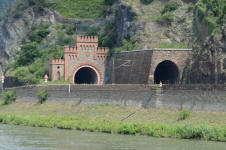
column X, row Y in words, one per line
column 46, row 25
column 4, row 6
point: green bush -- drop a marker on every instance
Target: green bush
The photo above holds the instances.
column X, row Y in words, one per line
column 42, row 95
column 167, row 17
column 9, row 97
column 92, row 31
column 29, row 52
column 146, row 1
column 24, row 76
column 184, row 114
column 131, row 44
column 109, row 37
column 213, row 12
column 169, row 7
column 109, row 2
column 39, row 34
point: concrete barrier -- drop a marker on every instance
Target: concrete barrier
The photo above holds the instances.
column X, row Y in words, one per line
column 194, row 97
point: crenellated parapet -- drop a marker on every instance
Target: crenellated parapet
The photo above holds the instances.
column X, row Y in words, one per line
column 85, row 53
column 101, row 53
column 68, row 49
column 87, row 39
column 57, row 62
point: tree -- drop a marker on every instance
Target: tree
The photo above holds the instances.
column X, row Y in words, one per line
column 28, row 53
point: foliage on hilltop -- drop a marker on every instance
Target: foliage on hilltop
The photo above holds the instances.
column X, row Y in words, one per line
column 213, row 12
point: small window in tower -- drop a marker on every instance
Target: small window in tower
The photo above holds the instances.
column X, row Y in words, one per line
column 58, row 67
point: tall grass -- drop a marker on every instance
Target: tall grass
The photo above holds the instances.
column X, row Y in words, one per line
column 213, row 133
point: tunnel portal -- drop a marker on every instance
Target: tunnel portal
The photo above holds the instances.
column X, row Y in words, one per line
column 167, row 72
column 86, row 75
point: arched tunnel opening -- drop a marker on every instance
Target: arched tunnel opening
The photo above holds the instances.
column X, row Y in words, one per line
column 86, row 75
column 167, row 72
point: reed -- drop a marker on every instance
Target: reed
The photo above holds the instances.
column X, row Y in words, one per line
column 212, row 133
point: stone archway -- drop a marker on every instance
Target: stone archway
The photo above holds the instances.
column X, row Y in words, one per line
column 86, row 74
column 167, row 72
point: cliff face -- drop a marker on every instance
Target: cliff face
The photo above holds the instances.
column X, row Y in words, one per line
column 13, row 31
column 4, row 6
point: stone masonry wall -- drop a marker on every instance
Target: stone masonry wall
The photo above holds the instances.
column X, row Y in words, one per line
column 131, row 67
column 138, row 67
column 193, row 97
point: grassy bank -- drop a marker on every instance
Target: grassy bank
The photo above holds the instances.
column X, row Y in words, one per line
column 106, row 118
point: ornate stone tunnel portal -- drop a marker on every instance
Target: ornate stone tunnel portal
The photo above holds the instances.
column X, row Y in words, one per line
column 86, row 75
column 167, row 72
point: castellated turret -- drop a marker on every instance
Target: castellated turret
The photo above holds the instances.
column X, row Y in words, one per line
column 83, row 63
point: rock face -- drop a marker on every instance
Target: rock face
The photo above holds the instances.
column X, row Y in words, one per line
column 125, row 24
column 13, row 31
column 209, row 63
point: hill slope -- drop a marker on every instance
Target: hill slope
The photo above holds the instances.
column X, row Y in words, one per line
column 45, row 26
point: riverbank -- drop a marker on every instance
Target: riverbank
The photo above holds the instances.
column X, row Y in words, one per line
column 107, row 118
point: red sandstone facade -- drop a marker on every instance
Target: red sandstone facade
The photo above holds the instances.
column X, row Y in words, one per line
column 85, row 56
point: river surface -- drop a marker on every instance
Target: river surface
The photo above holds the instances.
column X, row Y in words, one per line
column 29, row 138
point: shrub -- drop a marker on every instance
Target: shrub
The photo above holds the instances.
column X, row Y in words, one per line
column 24, row 76
column 109, row 37
column 29, row 52
column 184, row 114
column 9, row 97
column 39, row 34
column 92, row 31
column 42, row 95
column 166, row 18
column 170, row 6
column 146, row 1
column 109, row 2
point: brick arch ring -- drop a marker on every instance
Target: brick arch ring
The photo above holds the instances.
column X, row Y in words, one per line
column 89, row 65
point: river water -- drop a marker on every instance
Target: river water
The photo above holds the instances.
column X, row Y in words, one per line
column 29, row 138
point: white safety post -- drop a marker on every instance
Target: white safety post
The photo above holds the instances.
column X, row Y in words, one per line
column 69, row 90
column 46, row 78
column 3, row 80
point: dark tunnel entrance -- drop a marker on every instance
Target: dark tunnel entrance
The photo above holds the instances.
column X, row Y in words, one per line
column 166, row 72
column 86, row 75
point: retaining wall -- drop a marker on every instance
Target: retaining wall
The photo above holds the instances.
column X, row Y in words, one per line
column 193, row 97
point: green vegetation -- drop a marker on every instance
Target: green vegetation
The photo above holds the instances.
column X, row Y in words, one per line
column 32, row 62
column 169, row 7
column 9, row 97
column 213, row 12
column 39, row 33
column 172, row 45
column 42, row 95
column 167, row 15
column 106, row 118
column 109, row 2
column 109, row 36
column 128, row 45
column 146, row 1
column 184, row 114
column 29, row 52
column 81, row 8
